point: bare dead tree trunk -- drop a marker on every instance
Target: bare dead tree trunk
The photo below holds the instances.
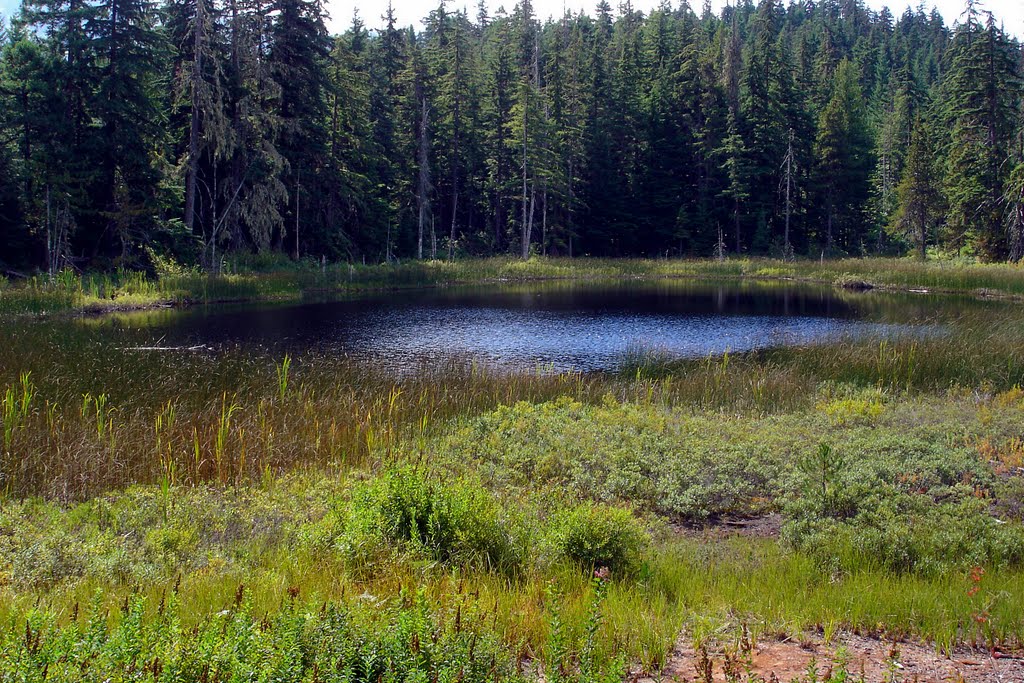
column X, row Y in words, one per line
column 194, row 125
column 525, row 235
column 786, row 248
column 544, row 222
column 1016, row 226
column 423, row 187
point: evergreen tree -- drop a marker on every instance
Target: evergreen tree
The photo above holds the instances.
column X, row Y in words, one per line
column 842, row 162
column 981, row 92
column 298, row 61
column 920, row 191
column 126, row 109
column 202, row 127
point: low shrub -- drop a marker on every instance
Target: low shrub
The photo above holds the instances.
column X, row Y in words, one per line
column 595, row 536
column 900, row 504
column 908, row 534
column 694, row 467
column 853, row 282
column 453, row 522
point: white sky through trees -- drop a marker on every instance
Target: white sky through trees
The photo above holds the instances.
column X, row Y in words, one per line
column 1010, row 12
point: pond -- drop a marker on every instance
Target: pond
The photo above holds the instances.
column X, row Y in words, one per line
column 556, row 326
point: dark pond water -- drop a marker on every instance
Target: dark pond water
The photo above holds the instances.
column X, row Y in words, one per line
column 557, row 326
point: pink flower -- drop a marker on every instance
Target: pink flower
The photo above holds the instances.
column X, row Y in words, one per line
column 602, row 573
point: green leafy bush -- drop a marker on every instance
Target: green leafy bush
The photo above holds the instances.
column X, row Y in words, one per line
column 455, row 522
column 901, row 504
column 595, row 536
column 674, row 463
column 906, row 533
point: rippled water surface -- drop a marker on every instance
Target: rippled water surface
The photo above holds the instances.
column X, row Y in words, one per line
column 585, row 326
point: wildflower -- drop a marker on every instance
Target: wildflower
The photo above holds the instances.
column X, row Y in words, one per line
column 602, row 573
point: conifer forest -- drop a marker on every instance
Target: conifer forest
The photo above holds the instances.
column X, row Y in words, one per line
column 133, row 130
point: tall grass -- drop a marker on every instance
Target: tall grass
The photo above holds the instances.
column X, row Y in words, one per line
column 94, row 416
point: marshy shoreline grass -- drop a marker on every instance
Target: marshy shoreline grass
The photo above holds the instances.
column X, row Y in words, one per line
column 312, row 512
column 98, row 293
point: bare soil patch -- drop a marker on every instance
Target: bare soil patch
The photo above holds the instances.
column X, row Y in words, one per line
column 866, row 659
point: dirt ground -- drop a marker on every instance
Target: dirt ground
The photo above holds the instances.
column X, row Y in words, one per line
column 868, row 659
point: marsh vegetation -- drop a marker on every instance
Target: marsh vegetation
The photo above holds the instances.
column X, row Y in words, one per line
column 257, row 510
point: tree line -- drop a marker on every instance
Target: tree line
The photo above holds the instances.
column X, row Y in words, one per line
column 132, row 131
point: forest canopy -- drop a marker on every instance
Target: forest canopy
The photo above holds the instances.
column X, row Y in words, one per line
column 133, row 132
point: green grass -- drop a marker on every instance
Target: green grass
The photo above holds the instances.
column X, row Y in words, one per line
column 711, row 587
column 542, row 498
column 160, row 508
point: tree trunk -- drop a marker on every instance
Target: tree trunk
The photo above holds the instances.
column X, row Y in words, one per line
column 789, row 185
column 451, row 234
column 194, row 132
column 736, row 218
column 525, row 235
column 423, row 187
column 544, row 223
column 298, row 190
column 923, row 233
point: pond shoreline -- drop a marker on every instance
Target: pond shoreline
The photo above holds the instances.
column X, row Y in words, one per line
column 855, row 275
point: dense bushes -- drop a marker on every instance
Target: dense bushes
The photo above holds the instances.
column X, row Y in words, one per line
column 900, row 503
column 673, row 463
column 901, row 485
column 907, row 533
column 146, row 535
column 457, row 522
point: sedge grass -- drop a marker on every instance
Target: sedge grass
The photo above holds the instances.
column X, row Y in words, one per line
column 101, row 415
column 269, row 441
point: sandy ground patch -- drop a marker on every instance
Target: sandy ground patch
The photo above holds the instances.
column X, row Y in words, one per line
column 867, row 659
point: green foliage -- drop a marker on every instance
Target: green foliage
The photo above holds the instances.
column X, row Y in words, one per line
column 568, row 662
column 821, row 470
column 453, row 522
column 403, row 640
column 207, row 132
column 595, row 536
column 647, row 455
column 902, row 506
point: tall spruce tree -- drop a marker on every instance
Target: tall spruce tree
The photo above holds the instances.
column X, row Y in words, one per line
column 919, row 193
column 842, row 163
column 298, row 56
column 980, row 93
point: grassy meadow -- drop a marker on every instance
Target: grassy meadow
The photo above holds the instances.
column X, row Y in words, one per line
column 240, row 515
